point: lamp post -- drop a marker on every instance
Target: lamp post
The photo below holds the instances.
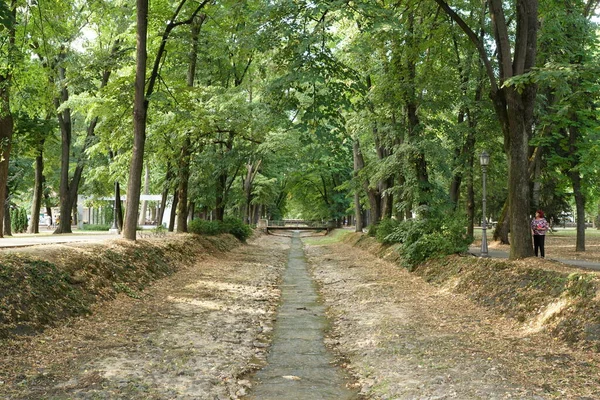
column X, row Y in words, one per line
column 484, row 160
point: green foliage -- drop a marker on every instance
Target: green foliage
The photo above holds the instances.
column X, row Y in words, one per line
column 18, row 220
column 385, row 228
column 95, row 227
column 229, row 225
column 237, row 228
column 203, row 227
column 425, row 238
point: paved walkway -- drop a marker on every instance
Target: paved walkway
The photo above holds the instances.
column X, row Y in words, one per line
column 24, row 240
column 299, row 365
column 493, row 253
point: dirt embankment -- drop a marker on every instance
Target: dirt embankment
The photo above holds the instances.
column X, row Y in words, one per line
column 41, row 286
column 540, row 294
column 193, row 334
column 460, row 327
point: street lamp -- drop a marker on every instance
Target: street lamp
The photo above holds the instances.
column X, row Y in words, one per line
column 484, row 160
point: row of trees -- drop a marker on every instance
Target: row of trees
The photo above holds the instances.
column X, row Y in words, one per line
column 320, row 109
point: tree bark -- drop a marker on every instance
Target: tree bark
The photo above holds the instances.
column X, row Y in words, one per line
column 173, row 215
column 118, row 206
column 141, row 104
column 144, row 210
column 6, row 122
column 140, row 109
column 502, row 228
column 185, row 159
column 6, row 209
column 575, row 178
column 182, row 189
column 38, row 192
column 358, row 165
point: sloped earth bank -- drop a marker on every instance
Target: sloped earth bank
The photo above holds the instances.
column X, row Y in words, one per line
column 201, row 332
column 403, row 338
column 193, row 335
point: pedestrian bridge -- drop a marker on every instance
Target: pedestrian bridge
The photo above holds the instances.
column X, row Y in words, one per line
column 294, row 225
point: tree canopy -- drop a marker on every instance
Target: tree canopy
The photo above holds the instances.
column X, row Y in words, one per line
column 355, row 111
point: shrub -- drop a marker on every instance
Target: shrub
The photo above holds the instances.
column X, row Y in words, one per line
column 230, row 225
column 237, row 228
column 18, row 220
column 384, row 229
column 421, row 239
column 203, row 227
column 95, row 227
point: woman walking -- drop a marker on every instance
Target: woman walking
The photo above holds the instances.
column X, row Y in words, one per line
column 539, row 227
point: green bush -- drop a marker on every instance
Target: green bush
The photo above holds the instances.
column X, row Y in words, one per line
column 18, row 220
column 384, row 229
column 230, row 225
column 237, row 228
column 421, row 239
column 95, row 227
column 203, row 227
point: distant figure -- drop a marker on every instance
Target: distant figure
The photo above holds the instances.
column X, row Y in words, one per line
column 539, row 227
column 48, row 222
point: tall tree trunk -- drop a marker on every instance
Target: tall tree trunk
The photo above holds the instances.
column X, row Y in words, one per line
column 64, row 119
column 165, row 194
column 247, row 184
column 220, row 196
column 575, row 177
column 372, row 194
column 514, row 108
column 182, row 189
column 191, row 210
column 6, row 209
column 6, row 120
column 144, row 210
column 185, row 159
column 358, row 165
column 503, row 227
column 414, row 124
column 141, row 103
column 580, row 210
column 140, row 109
column 470, row 200
column 38, row 192
column 118, row 206
column 173, row 215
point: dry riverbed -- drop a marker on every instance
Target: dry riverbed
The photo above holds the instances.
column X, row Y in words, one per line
column 403, row 338
column 202, row 332
column 193, row 335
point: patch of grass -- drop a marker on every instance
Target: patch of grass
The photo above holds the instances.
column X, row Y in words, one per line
column 333, row 237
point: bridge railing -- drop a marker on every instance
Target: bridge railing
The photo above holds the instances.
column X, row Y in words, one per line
column 296, row 223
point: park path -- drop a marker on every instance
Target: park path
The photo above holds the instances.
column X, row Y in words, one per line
column 46, row 237
column 299, row 365
column 495, row 253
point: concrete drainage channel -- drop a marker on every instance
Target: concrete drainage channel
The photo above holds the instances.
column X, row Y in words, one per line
column 299, row 366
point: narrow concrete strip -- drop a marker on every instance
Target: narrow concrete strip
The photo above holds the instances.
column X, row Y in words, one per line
column 299, row 365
